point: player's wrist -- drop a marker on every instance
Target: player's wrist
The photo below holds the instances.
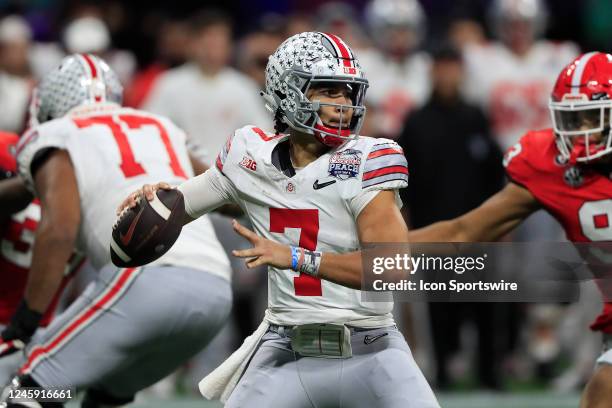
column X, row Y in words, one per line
column 306, row 261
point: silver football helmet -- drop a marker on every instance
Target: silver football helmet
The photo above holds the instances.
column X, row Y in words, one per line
column 303, row 61
column 80, row 79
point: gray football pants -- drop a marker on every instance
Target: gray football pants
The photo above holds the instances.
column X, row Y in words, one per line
column 129, row 329
column 381, row 373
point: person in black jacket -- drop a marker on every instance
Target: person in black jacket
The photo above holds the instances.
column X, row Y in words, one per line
column 454, row 166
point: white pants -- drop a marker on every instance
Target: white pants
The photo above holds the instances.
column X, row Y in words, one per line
column 130, row 328
column 381, row 373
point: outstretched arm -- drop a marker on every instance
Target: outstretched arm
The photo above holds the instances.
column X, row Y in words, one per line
column 496, row 217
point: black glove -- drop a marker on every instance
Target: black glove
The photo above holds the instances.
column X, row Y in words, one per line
column 20, row 330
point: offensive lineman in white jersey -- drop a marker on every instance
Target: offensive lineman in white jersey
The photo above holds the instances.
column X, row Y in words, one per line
column 314, row 196
column 133, row 326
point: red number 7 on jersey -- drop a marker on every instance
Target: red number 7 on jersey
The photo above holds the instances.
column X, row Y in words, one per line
column 308, row 223
column 129, row 166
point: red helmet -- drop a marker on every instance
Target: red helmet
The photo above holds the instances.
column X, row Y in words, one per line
column 581, row 106
column 8, row 164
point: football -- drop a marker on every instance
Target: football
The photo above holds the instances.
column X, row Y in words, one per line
column 145, row 232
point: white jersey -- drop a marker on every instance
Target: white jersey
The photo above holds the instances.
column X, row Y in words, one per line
column 515, row 90
column 208, row 108
column 395, row 89
column 114, row 152
column 316, row 209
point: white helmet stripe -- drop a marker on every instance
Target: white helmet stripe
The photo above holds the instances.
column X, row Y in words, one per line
column 577, row 77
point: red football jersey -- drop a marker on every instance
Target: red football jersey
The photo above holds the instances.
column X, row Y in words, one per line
column 580, row 198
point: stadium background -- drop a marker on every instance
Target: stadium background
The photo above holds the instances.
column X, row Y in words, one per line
column 144, row 39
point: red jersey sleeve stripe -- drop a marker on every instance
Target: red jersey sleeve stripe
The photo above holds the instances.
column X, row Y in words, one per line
column 384, row 171
column 384, row 152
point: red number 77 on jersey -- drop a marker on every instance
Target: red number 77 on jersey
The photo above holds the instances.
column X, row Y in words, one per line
column 129, row 166
column 308, row 223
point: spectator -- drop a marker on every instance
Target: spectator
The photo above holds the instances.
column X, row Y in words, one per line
column 205, row 96
column 396, row 70
column 172, row 38
column 454, row 166
column 298, row 23
column 89, row 34
column 340, row 18
column 15, row 81
column 255, row 47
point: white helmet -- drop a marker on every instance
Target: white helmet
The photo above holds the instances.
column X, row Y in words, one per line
column 80, row 79
column 301, row 62
column 382, row 15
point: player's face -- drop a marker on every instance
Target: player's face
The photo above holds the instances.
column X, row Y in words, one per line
column 588, row 128
column 336, row 94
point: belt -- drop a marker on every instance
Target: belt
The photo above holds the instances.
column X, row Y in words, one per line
column 287, row 331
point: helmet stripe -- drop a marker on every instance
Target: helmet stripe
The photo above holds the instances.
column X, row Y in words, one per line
column 94, row 73
column 579, row 70
column 342, row 49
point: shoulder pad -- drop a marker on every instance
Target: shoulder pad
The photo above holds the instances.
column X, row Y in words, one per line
column 50, row 135
column 528, row 158
column 242, row 139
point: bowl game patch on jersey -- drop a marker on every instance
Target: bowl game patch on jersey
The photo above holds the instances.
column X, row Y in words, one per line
column 345, row 164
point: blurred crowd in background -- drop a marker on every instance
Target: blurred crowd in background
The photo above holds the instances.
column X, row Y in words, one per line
column 456, row 82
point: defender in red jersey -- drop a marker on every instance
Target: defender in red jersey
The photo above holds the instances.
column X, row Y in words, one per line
column 16, row 239
column 567, row 171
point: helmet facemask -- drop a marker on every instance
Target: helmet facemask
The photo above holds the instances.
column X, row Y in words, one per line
column 308, row 61
column 307, row 117
column 583, row 129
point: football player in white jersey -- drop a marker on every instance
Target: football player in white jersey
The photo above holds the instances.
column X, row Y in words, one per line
column 314, row 196
column 398, row 72
column 131, row 327
column 511, row 78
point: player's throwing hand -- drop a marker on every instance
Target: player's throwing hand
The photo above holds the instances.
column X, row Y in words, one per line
column 263, row 252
